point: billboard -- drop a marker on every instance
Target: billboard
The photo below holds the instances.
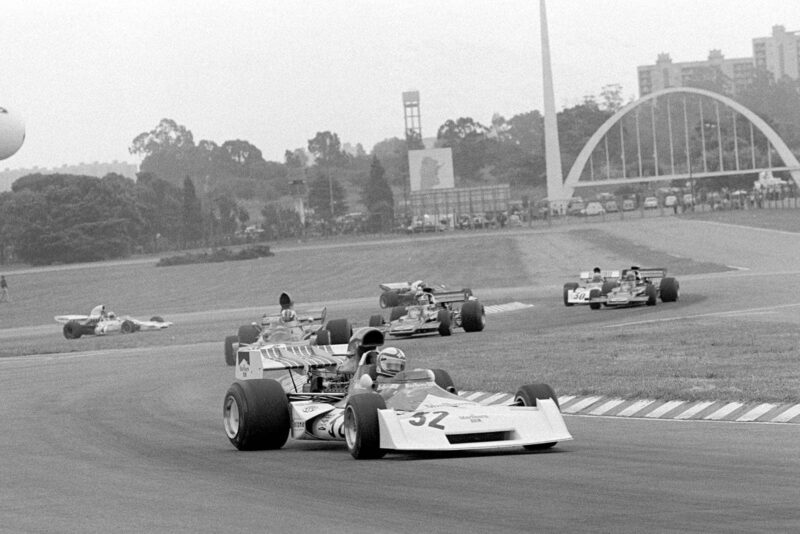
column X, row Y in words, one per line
column 430, row 169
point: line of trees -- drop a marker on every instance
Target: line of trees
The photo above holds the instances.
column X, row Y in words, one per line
column 190, row 194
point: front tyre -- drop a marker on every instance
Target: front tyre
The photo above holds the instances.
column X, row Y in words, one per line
column 255, row 414
column 652, row 295
column 248, row 334
column 669, row 289
column 594, row 294
column 72, row 330
column 340, row 331
column 361, row 428
column 443, row 380
column 445, row 328
column 572, row 286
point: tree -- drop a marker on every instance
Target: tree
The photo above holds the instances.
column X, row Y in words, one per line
column 192, row 215
column 327, row 149
column 378, row 198
column 468, row 140
column 167, row 135
column 319, row 197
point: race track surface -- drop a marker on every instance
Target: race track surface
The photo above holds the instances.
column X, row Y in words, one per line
column 131, row 440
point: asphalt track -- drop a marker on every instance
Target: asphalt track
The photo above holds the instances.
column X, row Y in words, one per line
column 131, row 441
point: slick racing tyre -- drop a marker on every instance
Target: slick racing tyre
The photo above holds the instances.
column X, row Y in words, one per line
column 473, row 316
column 361, row 428
column 669, row 289
column 230, row 354
column 248, row 334
column 443, row 380
column 445, row 328
column 572, row 286
column 157, row 319
column 127, row 327
column 652, row 295
column 323, row 337
column 376, row 320
column 388, row 299
column 255, row 414
column 72, row 330
column 526, row 396
column 594, row 294
column 340, row 331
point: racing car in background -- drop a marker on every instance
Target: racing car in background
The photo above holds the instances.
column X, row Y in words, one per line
column 433, row 313
column 597, row 280
column 289, row 327
column 405, row 293
column 410, row 410
column 101, row 323
column 636, row 286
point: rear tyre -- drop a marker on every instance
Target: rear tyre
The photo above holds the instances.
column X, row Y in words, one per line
column 445, row 328
column 72, row 330
column 594, row 294
column 127, row 327
column 361, row 428
column 157, row 319
column 340, row 331
column 670, row 290
column 230, row 354
column 397, row 312
column 388, row 299
column 473, row 316
column 527, row 395
column 248, row 334
column 255, row 414
column 376, row 320
column 443, row 380
column 652, row 295
column 323, row 337
column 607, row 287
column 572, row 286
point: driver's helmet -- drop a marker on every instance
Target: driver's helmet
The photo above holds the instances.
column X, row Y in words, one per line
column 424, row 297
column 112, row 315
column 630, row 277
column 288, row 315
column 390, row 361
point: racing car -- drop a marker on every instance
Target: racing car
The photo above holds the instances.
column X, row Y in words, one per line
column 411, row 410
column 434, row 313
column 597, row 280
column 405, row 293
column 289, row 327
column 636, row 286
column 100, row 323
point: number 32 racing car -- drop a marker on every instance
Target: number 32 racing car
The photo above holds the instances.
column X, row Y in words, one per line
column 413, row 410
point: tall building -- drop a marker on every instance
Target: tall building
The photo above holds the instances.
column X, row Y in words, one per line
column 735, row 73
column 778, row 54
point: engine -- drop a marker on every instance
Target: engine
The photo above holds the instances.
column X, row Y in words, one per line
column 12, row 133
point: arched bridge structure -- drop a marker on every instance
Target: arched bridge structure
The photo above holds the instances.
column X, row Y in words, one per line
column 679, row 133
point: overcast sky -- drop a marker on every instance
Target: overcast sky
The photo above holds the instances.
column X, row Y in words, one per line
column 88, row 76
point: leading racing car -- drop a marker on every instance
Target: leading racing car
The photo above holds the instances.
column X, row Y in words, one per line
column 637, row 286
column 305, row 327
column 434, row 313
column 371, row 402
column 405, row 293
column 101, row 323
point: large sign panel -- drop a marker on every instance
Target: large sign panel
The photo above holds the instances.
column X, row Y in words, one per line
column 431, row 169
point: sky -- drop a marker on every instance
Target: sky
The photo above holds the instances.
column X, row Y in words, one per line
column 88, row 76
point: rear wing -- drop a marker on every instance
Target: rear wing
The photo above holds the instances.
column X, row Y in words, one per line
column 303, row 316
column 445, row 297
column 607, row 275
column 253, row 362
column 395, row 286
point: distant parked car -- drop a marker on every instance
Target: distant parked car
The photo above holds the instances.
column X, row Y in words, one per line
column 628, row 204
column 688, row 199
column 611, row 206
column 670, row 201
column 650, row 203
column 593, row 208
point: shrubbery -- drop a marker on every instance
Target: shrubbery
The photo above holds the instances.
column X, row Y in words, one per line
column 217, row 255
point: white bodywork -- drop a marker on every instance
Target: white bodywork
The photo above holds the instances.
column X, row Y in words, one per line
column 580, row 295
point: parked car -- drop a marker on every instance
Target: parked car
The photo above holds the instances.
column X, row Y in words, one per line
column 628, row 204
column 650, row 203
column 670, row 201
column 593, row 208
column 611, row 206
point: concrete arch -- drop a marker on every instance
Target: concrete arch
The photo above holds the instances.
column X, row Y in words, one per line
column 783, row 151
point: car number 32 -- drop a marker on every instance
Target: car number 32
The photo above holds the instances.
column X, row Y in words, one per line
column 432, row 419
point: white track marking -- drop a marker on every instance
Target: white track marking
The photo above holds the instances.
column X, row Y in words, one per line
column 747, row 311
column 606, row 406
column 724, row 411
column 788, row 415
column 509, row 306
column 581, row 404
column 694, row 410
column 636, row 407
column 757, row 412
column 664, row 408
column 745, row 227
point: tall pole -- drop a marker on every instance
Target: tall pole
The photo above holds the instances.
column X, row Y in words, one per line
column 555, row 178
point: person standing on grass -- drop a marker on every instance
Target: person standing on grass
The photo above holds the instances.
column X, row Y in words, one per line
column 4, row 289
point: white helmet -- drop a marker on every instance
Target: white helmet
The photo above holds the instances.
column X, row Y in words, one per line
column 390, row 361
column 288, row 315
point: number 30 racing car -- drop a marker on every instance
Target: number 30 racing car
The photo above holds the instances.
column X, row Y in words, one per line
column 579, row 293
column 369, row 401
column 100, row 323
column 289, row 327
column 635, row 286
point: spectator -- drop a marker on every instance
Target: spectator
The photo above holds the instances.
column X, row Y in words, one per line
column 4, row 297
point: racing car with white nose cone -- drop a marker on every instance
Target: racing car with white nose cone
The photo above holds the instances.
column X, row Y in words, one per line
column 637, row 286
column 375, row 408
column 433, row 314
column 102, row 323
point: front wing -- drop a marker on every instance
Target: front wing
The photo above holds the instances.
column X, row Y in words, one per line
column 477, row 427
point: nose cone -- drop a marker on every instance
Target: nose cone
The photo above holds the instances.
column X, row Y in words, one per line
column 12, row 133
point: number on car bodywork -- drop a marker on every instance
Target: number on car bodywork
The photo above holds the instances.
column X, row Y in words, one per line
column 419, row 419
